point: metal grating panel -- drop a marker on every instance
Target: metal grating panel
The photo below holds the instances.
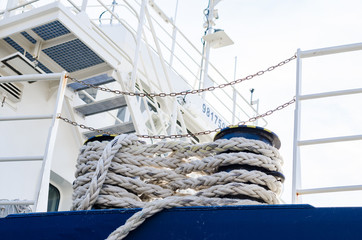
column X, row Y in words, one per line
column 73, row 55
column 27, row 55
column 97, row 80
column 44, row 68
column 102, row 106
column 14, row 45
column 51, row 30
column 27, row 36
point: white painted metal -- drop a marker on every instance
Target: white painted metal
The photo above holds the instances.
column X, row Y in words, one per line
column 84, row 5
column 296, row 185
column 330, row 140
column 21, row 159
column 242, row 105
column 41, row 201
column 41, row 194
column 159, row 51
column 71, row 113
column 74, row 5
column 329, row 189
column 331, row 50
column 234, row 92
column 16, row 202
column 138, row 45
column 174, row 32
column 114, row 54
column 174, row 118
column 12, row 6
column 31, row 77
column 26, row 117
column 133, row 106
column 210, row 19
column 296, row 182
column 330, row 94
column 93, row 100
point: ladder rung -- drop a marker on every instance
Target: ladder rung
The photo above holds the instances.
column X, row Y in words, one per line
column 25, row 117
column 331, row 50
column 97, row 80
column 16, row 202
column 329, row 189
column 102, row 106
column 21, row 159
column 330, row 94
column 329, row 140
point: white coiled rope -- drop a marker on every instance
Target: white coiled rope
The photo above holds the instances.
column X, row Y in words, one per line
column 127, row 173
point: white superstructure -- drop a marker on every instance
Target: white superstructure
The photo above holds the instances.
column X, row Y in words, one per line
column 132, row 47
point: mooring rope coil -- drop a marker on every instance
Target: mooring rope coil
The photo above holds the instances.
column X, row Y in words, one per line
column 127, row 173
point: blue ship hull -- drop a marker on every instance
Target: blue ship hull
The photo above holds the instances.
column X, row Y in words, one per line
column 227, row 222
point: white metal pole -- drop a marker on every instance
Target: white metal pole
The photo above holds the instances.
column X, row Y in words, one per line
column 234, row 93
column 16, row 202
column 174, row 31
column 330, row 94
column 31, row 77
column 257, row 111
column 9, row 7
column 138, row 45
column 159, row 52
column 182, row 121
column 41, row 198
column 330, row 140
column 296, row 154
column 207, row 52
column 26, row 117
column 21, row 159
column 84, row 5
column 331, row 50
column 174, row 117
column 330, row 189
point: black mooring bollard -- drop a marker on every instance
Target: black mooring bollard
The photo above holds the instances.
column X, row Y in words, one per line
column 249, row 132
column 253, row 133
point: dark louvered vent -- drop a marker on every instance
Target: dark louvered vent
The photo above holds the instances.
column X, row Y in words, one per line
column 13, row 91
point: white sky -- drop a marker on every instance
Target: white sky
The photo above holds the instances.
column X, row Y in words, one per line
column 266, row 32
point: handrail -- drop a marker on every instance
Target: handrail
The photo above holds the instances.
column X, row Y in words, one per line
column 297, row 190
column 130, row 8
column 19, row 6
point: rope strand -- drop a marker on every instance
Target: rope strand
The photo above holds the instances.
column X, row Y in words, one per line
column 127, row 173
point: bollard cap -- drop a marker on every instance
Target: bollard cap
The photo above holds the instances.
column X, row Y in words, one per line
column 249, row 132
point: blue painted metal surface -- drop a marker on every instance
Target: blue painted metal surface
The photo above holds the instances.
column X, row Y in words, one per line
column 73, row 55
column 51, row 30
column 17, row 47
column 227, row 222
column 97, row 80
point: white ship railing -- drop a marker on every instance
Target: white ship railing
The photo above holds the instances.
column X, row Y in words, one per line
column 175, row 47
column 40, row 200
column 297, row 190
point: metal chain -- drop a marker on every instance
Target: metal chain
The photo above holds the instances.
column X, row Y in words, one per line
column 183, row 93
column 181, row 135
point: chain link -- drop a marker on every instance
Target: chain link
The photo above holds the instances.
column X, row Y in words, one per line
column 188, row 135
column 183, row 93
